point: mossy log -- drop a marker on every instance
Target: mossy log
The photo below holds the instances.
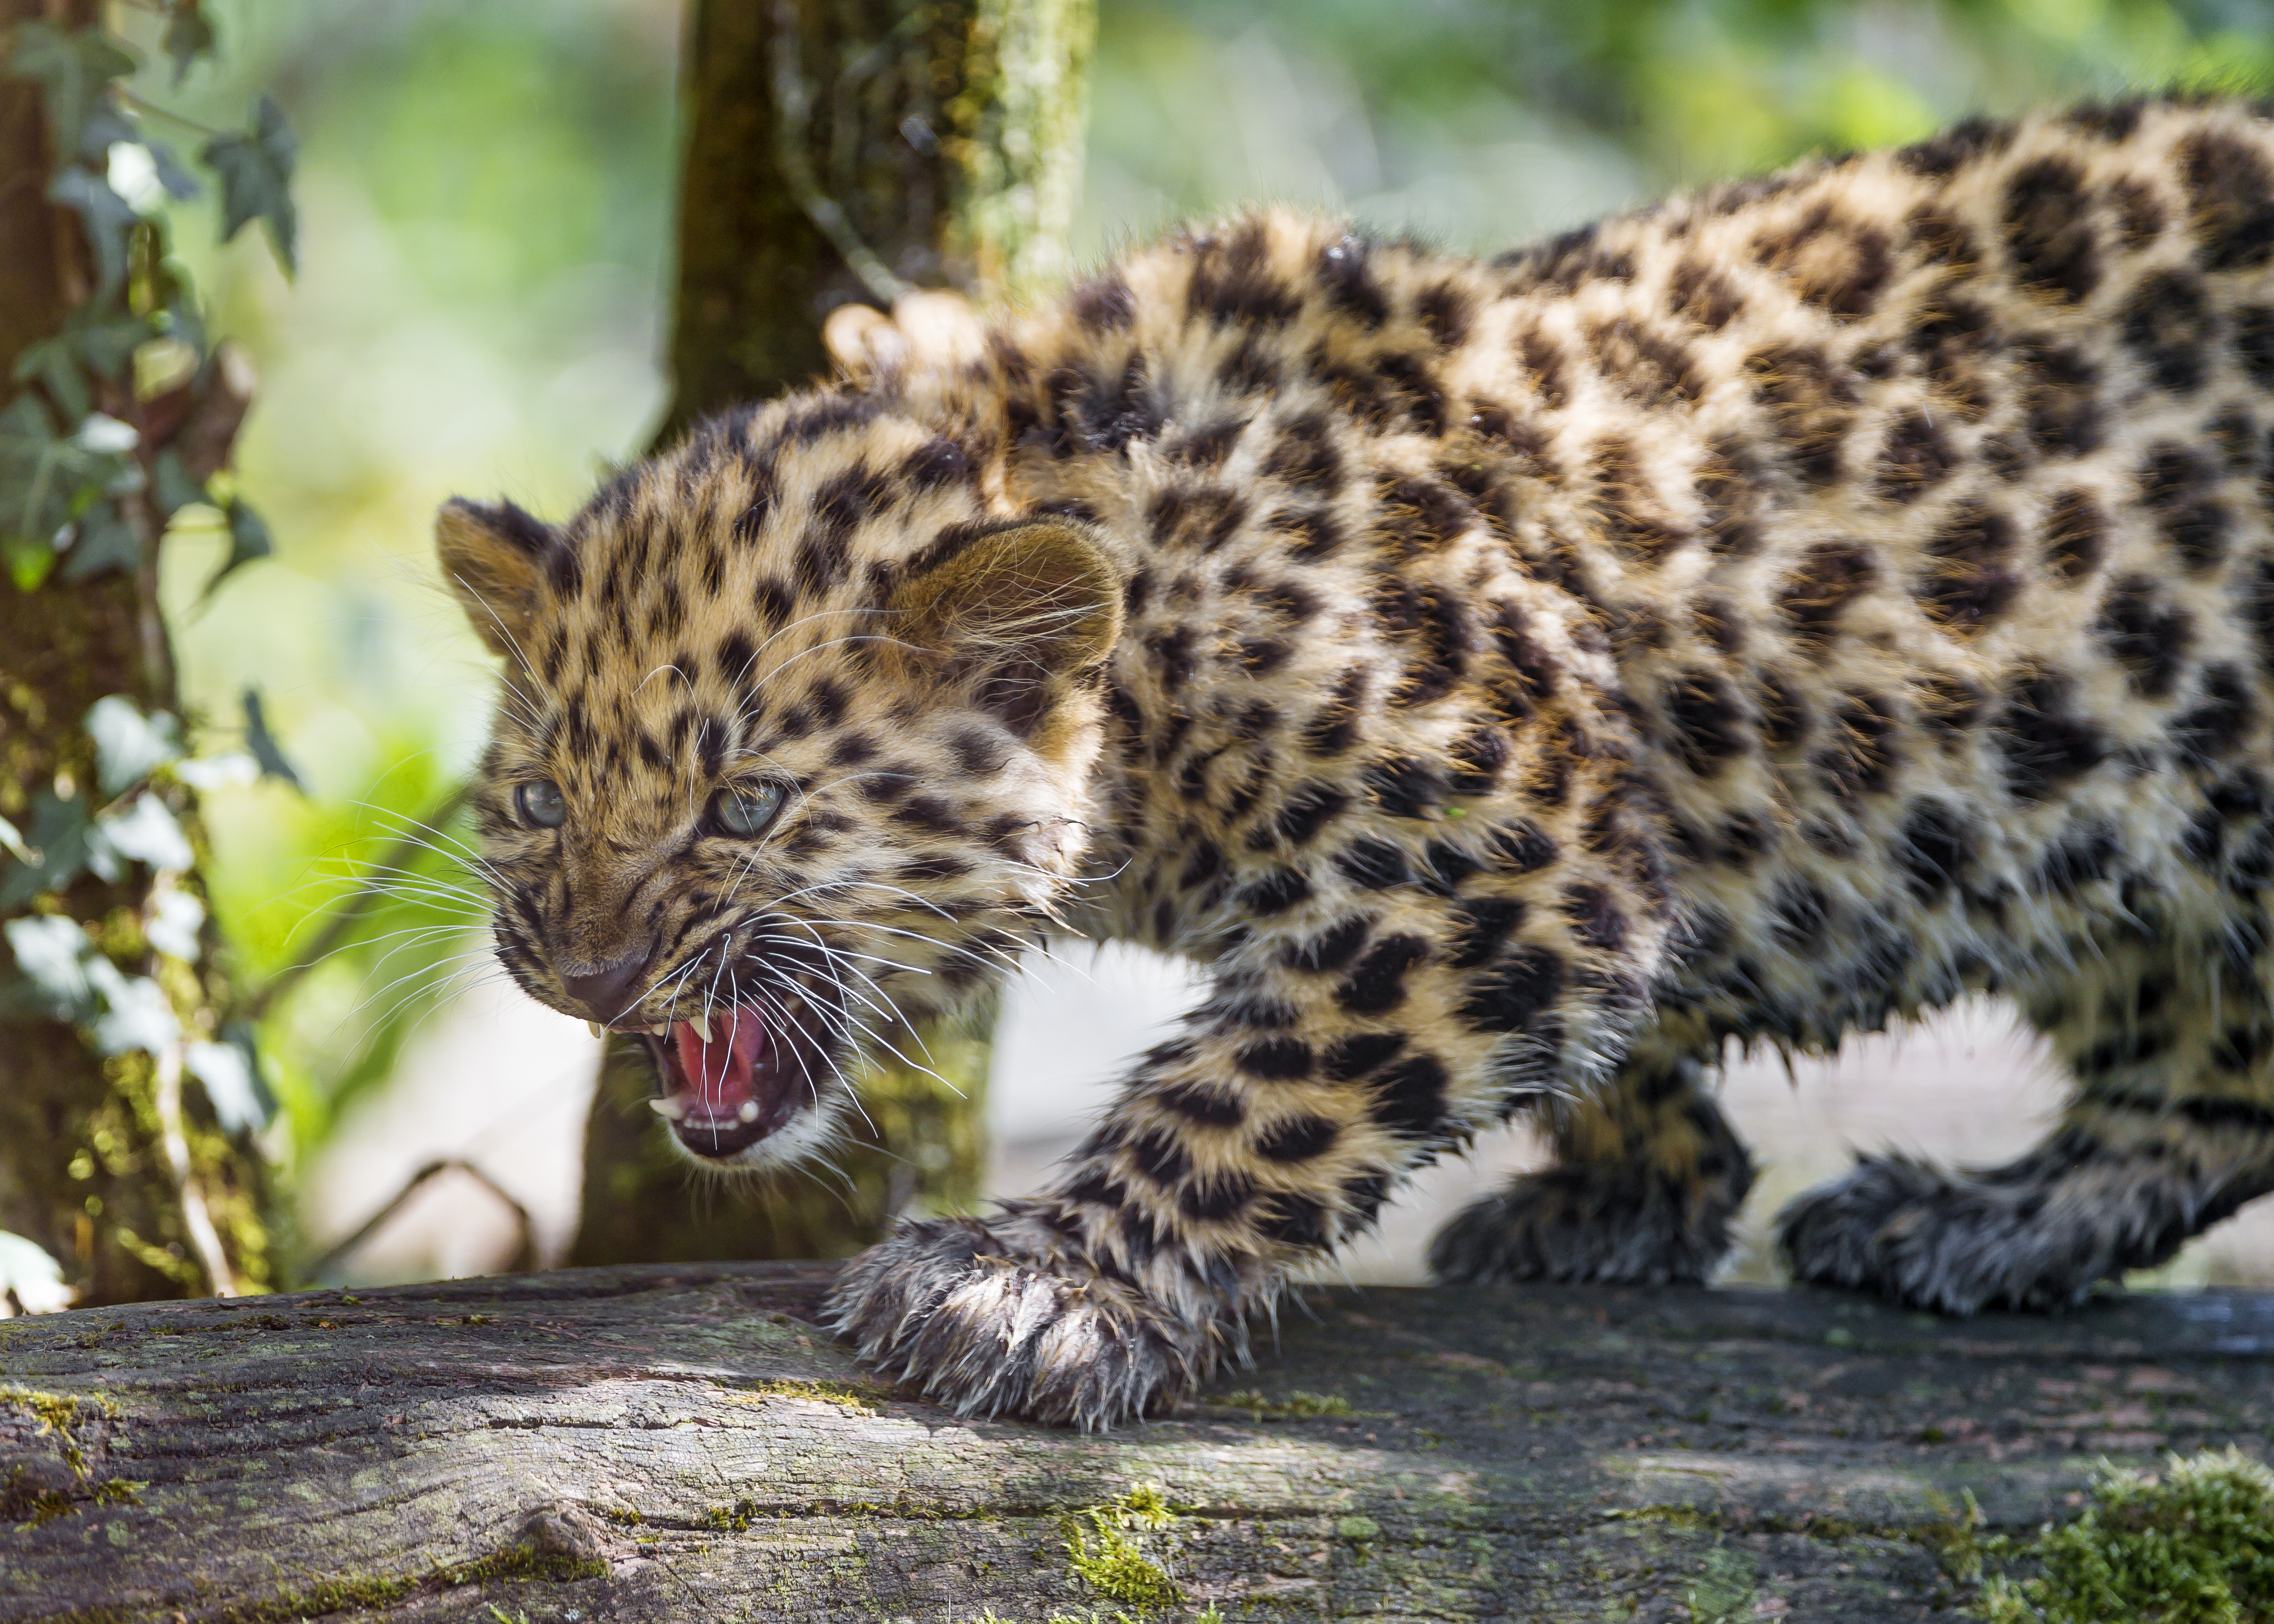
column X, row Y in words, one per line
column 684, row 1442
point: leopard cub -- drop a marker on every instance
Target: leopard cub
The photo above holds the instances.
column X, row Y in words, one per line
column 1765, row 616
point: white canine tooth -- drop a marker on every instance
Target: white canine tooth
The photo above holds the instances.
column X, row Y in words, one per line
column 596, row 1028
column 702, row 1024
column 670, row 1108
column 749, row 1111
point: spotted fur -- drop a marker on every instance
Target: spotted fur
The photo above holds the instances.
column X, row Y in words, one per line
column 1765, row 616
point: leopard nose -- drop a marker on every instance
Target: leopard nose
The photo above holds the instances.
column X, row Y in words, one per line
column 607, row 990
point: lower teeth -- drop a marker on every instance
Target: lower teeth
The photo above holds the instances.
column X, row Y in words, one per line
column 671, row 1110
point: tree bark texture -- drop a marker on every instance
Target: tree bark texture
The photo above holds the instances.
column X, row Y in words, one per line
column 111, row 1165
column 686, row 1442
column 841, row 150
column 852, row 149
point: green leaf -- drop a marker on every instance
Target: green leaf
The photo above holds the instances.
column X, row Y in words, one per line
column 139, row 1015
column 262, row 743
column 53, row 954
column 28, row 561
column 147, row 832
column 129, row 746
column 102, row 539
column 52, row 364
column 105, row 128
column 106, row 346
column 176, row 918
column 91, row 345
column 256, row 179
column 180, row 185
column 172, row 487
column 46, row 481
column 35, row 489
column 58, row 839
column 73, row 72
column 189, row 35
column 28, row 1275
column 248, row 539
column 109, row 219
column 232, row 1081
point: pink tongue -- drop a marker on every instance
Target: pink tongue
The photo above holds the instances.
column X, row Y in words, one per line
column 722, row 1072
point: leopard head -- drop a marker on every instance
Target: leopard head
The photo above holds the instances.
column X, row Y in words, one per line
column 791, row 751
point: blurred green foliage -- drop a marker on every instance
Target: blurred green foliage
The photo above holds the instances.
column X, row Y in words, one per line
column 1484, row 122
column 484, row 190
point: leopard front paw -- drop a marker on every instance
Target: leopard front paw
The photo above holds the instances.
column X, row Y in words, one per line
column 980, row 1317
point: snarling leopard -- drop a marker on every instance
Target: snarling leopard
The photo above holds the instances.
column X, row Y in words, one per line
column 1762, row 616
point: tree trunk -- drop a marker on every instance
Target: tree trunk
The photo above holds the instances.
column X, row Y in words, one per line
column 851, row 150
column 112, row 1166
column 842, row 151
column 685, row 1442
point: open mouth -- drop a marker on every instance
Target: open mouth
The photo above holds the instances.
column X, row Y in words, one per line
column 724, row 1084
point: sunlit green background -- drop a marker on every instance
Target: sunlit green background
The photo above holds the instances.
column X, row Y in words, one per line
column 486, row 193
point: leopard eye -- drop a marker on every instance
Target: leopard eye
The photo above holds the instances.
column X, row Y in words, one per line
column 744, row 812
column 538, row 801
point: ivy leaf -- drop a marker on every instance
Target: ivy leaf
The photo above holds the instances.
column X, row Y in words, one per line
column 35, row 487
column 139, row 1013
column 73, row 72
column 232, row 770
column 33, row 1278
column 53, row 954
column 28, row 562
column 129, row 746
column 256, row 179
column 109, row 219
column 105, row 128
column 58, row 838
column 232, row 1083
column 146, row 832
column 189, row 35
column 262, row 743
column 102, row 539
column 180, row 185
column 52, row 364
column 176, row 918
column 248, row 539
column 90, row 345
column 47, row 481
column 107, row 348
column 172, row 487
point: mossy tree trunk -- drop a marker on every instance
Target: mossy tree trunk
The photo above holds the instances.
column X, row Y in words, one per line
column 842, row 151
column 111, row 1164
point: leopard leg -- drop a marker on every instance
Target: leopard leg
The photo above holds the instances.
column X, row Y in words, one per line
column 1346, row 1044
column 2170, row 1131
column 1648, row 1175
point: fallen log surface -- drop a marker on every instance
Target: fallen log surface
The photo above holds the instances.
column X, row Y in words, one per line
column 683, row 1443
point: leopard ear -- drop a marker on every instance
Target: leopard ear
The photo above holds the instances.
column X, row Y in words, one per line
column 1038, row 598
column 495, row 556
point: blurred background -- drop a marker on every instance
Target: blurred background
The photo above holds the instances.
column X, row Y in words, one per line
column 485, row 190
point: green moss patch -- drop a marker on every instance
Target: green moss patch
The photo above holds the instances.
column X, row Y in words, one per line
column 1105, row 1558
column 1722, row 1593
column 2192, row 1545
column 1294, row 1407
column 27, row 1503
column 853, row 1399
